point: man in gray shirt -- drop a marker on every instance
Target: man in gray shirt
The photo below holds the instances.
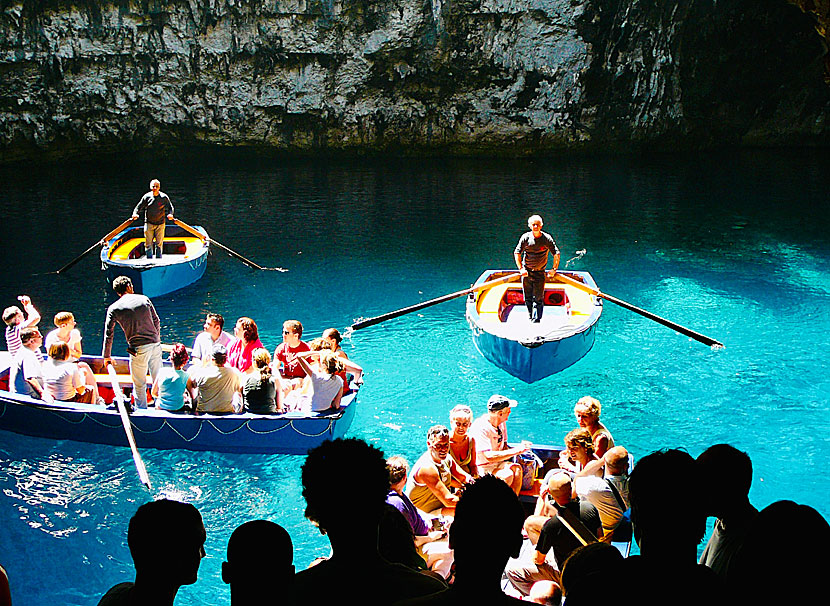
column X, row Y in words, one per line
column 531, row 256
column 156, row 207
column 140, row 323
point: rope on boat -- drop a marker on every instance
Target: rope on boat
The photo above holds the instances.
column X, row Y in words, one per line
column 164, row 423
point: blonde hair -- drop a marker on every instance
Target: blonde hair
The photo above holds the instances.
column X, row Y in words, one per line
column 62, row 317
column 462, row 410
column 591, row 405
column 580, row 437
column 262, row 360
column 331, row 362
column 59, row 351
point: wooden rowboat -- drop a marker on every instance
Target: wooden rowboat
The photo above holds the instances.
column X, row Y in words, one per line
column 183, row 261
column 290, row 433
column 504, row 334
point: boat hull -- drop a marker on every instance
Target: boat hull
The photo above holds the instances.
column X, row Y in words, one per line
column 291, row 433
column 533, row 352
column 156, row 277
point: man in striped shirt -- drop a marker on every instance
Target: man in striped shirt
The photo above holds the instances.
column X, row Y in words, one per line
column 16, row 321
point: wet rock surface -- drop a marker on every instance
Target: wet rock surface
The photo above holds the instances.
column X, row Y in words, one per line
column 459, row 76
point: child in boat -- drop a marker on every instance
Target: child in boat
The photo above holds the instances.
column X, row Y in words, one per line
column 16, row 321
column 66, row 332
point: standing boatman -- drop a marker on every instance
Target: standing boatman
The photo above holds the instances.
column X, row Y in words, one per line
column 531, row 256
column 156, row 206
column 140, row 323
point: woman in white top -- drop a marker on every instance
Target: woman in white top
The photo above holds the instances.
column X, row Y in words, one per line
column 67, row 332
column 63, row 378
column 326, row 386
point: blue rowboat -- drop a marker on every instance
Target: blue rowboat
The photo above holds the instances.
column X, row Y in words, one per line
column 290, row 433
column 183, row 260
column 504, row 334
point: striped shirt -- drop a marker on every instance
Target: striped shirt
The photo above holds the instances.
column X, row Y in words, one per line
column 13, row 342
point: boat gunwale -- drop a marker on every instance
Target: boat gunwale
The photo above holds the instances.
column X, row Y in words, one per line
column 145, row 264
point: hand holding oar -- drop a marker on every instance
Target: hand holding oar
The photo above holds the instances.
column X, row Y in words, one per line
column 647, row 314
column 233, row 253
column 98, row 243
column 128, row 428
column 406, row 310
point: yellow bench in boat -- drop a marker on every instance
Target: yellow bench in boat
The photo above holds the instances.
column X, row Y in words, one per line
column 193, row 246
column 489, row 302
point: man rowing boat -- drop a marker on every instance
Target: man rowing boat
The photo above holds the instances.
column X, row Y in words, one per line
column 531, row 256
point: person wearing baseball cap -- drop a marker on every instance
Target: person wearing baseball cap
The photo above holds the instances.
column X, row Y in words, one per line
column 493, row 455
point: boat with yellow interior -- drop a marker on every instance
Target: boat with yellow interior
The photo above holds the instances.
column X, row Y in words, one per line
column 504, row 334
column 183, row 259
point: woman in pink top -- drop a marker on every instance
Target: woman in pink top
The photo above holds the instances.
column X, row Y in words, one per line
column 241, row 349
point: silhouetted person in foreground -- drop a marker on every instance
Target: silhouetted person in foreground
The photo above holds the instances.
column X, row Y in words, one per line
column 260, row 565
column 726, row 474
column 166, row 540
column 783, row 559
column 5, row 592
column 669, row 522
column 590, row 572
column 345, row 483
column 486, row 532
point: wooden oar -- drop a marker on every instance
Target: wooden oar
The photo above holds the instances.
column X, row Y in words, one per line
column 128, row 428
column 231, row 252
column 647, row 314
column 98, row 243
column 406, row 310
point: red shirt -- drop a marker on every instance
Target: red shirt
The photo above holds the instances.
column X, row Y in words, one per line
column 288, row 356
column 239, row 357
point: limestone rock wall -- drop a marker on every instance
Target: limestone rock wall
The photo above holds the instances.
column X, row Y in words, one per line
column 464, row 76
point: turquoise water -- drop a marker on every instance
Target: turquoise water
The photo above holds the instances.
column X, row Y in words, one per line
column 732, row 245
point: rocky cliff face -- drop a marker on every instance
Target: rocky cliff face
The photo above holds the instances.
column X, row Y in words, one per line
column 462, row 76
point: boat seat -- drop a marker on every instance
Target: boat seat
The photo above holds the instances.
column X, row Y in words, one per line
column 134, row 248
column 123, row 379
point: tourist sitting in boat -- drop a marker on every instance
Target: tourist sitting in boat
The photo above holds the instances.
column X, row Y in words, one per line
column 462, row 446
column 608, row 493
column 260, row 389
column 332, row 336
column 555, row 537
column 322, row 344
column 67, row 332
column 579, row 451
column 63, row 378
column 285, row 355
column 431, row 544
column 26, row 376
column 242, row 347
column 587, row 411
column 171, row 383
column 213, row 334
column 435, row 476
column 213, row 387
column 493, row 455
column 324, row 388
column 16, row 321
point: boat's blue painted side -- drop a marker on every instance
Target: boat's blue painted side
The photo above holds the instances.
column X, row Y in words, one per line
column 554, row 346
column 245, row 433
column 290, row 433
column 155, row 277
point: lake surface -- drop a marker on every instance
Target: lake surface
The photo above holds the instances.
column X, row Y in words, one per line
column 733, row 245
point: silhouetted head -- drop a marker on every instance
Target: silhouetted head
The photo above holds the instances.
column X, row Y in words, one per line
column 588, row 568
column 796, row 536
column 166, row 540
column 260, row 558
column 661, row 524
column 726, row 474
column 396, row 539
column 333, row 498
column 487, row 529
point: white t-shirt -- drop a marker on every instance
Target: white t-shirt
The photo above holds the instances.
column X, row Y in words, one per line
column 52, row 337
column 597, row 492
column 25, row 366
column 61, row 377
column 487, row 438
column 203, row 345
